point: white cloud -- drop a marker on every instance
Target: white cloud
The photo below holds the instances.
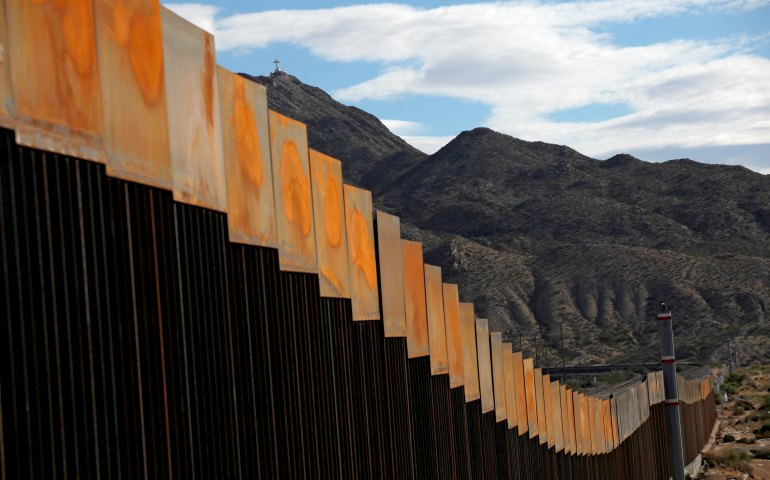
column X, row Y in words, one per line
column 429, row 145
column 527, row 59
column 404, row 127
column 201, row 16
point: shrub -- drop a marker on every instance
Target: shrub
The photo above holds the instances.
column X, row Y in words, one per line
column 738, row 409
column 718, row 397
column 765, row 428
column 731, row 458
column 575, row 385
column 765, row 403
column 737, row 460
column 729, row 388
column 763, row 453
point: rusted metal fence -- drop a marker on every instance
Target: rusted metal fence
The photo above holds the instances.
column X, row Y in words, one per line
column 231, row 309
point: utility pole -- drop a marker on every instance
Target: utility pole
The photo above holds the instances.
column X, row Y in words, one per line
column 729, row 357
column 668, row 360
column 737, row 358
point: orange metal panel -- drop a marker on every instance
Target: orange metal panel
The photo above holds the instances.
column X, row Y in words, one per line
column 485, row 366
column 331, row 236
column 548, row 408
column 7, row 102
column 414, row 301
column 605, row 445
column 651, row 384
column 194, row 122
column 542, row 431
column 566, row 419
column 391, row 270
column 622, row 415
column 661, row 388
column 521, row 392
column 510, row 386
column 55, row 76
column 609, row 442
column 584, row 407
column 608, row 423
column 248, row 169
column 530, row 389
column 498, row 375
column 592, row 425
column 558, row 432
column 601, row 445
column 133, row 90
column 605, row 426
column 614, row 421
column 470, row 363
column 454, row 340
column 363, row 266
column 577, row 419
column 434, row 295
column 293, row 200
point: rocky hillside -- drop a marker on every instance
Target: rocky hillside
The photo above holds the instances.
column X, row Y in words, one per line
column 544, row 239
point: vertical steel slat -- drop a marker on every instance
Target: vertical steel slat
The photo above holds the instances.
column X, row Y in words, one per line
column 397, row 397
column 442, row 426
column 460, row 432
column 475, row 439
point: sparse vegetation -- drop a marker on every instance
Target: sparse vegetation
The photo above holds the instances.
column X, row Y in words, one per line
column 731, row 458
column 732, row 383
column 615, row 376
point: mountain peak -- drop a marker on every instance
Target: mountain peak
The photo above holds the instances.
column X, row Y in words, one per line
column 358, row 139
column 621, row 160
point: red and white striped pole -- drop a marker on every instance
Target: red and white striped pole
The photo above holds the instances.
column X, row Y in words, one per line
column 673, row 427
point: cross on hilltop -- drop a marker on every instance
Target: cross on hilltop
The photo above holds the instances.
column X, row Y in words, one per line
column 277, row 70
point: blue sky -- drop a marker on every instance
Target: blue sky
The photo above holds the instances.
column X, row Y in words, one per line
column 656, row 79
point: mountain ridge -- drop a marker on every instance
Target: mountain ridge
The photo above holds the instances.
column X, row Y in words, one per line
column 540, row 237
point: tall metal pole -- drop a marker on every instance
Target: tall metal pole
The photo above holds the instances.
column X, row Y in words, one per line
column 737, row 358
column 730, row 357
column 536, row 362
column 672, row 396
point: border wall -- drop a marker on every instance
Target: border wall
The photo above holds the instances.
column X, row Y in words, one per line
column 191, row 292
